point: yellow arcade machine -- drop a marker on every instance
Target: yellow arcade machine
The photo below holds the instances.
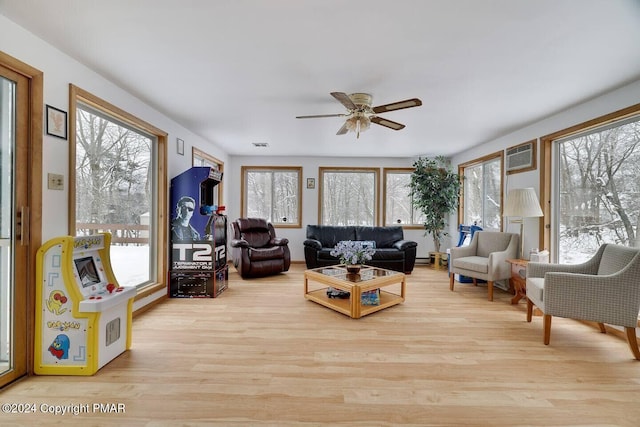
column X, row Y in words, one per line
column 83, row 317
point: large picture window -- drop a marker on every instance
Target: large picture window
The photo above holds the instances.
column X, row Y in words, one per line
column 349, row 196
column 598, row 188
column 481, row 196
column 119, row 181
column 590, row 186
column 272, row 193
column 398, row 206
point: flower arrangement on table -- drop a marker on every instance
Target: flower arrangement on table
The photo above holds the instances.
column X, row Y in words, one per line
column 352, row 252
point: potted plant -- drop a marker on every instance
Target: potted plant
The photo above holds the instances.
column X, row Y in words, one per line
column 352, row 254
column 434, row 190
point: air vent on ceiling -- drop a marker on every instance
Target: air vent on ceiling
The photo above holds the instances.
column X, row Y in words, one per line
column 521, row 157
column 260, row 144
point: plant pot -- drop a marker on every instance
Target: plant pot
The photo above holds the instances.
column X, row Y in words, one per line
column 354, row 268
column 438, row 259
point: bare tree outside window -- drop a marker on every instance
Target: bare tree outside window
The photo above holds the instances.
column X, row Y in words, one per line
column 114, row 189
column 482, row 190
column 272, row 194
column 349, row 197
column 599, row 190
column 399, row 208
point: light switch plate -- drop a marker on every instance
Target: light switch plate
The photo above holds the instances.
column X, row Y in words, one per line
column 56, row 181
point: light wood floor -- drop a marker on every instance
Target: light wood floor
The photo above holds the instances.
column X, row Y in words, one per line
column 262, row 355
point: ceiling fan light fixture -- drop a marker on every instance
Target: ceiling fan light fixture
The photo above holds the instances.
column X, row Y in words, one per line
column 360, row 114
column 358, row 123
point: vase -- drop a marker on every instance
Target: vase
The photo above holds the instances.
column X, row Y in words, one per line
column 353, row 268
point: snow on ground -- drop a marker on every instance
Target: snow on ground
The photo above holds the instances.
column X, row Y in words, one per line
column 130, row 264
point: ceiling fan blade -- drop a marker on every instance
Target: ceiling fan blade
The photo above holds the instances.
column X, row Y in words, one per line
column 344, row 100
column 408, row 103
column 386, row 123
column 343, row 129
column 320, row 115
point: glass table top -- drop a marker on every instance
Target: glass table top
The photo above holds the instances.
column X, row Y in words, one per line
column 366, row 273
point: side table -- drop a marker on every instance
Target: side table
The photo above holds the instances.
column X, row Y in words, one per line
column 518, row 280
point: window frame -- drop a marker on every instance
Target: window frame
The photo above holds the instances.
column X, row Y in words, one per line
column 376, row 203
column 243, row 190
column 476, row 162
column 385, row 173
column 76, row 95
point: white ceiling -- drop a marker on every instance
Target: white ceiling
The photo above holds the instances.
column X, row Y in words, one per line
column 238, row 72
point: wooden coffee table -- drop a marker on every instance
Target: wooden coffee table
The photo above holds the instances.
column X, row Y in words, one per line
column 369, row 279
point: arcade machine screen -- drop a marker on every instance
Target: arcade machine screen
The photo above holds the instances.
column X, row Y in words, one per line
column 87, row 271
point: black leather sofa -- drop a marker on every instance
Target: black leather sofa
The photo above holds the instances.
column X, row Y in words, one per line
column 392, row 251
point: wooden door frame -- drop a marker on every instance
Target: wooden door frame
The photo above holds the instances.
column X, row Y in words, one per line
column 33, row 127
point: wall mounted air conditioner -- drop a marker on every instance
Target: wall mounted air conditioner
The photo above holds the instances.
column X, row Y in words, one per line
column 521, row 158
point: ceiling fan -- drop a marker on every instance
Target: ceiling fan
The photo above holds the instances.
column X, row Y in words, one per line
column 360, row 112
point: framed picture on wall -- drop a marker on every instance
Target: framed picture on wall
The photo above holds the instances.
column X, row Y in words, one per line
column 311, row 183
column 180, row 145
column 56, row 122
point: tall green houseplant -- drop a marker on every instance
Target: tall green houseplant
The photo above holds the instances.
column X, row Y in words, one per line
column 435, row 190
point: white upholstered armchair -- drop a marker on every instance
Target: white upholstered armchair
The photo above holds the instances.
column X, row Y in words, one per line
column 605, row 289
column 484, row 258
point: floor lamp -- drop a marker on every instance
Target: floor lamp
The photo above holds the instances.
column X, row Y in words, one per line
column 524, row 203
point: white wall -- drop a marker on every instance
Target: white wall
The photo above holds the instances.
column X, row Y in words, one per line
column 599, row 106
column 310, row 167
column 59, row 71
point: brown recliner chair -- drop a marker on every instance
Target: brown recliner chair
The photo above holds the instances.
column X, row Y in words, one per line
column 256, row 250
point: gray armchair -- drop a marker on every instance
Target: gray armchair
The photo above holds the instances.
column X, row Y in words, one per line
column 605, row 289
column 484, row 258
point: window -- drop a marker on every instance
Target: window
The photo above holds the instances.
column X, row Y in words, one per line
column 273, row 193
column 481, row 198
column 398, row 206
column 118, row 180
column 200, row 158
column 348, row 196
column 598, row 189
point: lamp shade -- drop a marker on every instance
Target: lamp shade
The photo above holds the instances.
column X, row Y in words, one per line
column 522, row 202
